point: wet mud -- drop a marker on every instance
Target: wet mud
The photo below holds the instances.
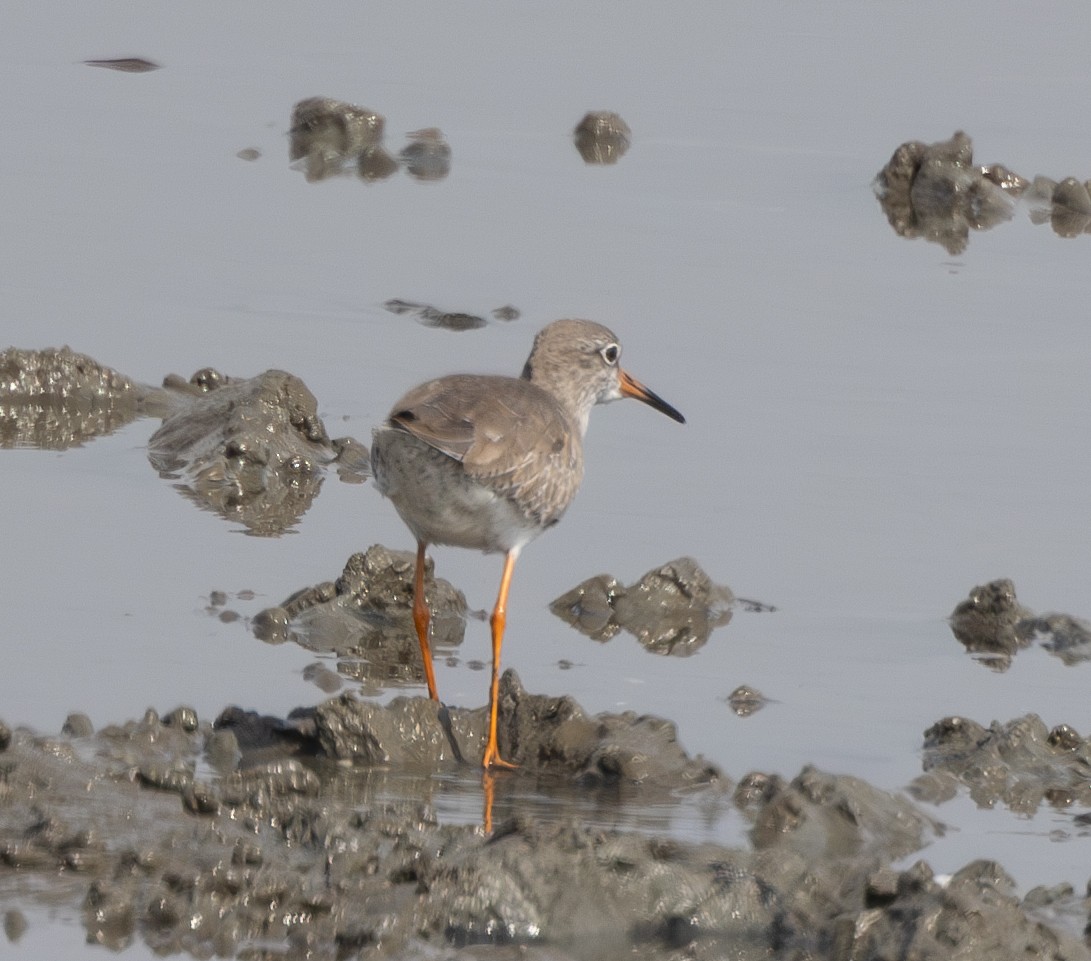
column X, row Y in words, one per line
column 332, row 138
column 125, row 64
column 316, row 834
column 455, row 321
column 937, row 192
column 56, row 398
column 746, row 700
column 364, row 619
column 993, row 626
column 602, row 137
column 1020, row 764
column 214, row 838
column 671, row 610
column 249, row 450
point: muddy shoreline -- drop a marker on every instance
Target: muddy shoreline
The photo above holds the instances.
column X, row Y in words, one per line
column 216, row 837
column 256, row 836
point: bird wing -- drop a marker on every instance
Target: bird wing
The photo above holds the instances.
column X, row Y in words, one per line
column 433, row 413
column 507, row 433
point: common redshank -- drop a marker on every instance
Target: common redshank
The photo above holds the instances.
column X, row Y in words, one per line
column 490, row 462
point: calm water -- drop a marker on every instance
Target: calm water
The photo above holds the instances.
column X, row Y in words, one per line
column 874, row 426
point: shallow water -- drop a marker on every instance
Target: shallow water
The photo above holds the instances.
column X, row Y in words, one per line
column 875, row 426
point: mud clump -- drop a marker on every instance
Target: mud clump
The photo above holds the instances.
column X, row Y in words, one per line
column 364, row 617
column 333, row 138
column 994, row 626
column 125, row 64
column 431, row 316
column 746, row 700
column 280, row 840
column 975, row 915
column 602, row 137
column 544, row 735
column 56, row 398
column 671, row 610
column 328, row 137
column 992, row 623
column 253, row 449
column 455, row 321
column 1021, row 764
column 936, row 191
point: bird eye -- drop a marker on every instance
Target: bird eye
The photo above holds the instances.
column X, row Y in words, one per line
column 611, row 353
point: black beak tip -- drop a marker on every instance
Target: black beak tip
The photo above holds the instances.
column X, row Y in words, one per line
column 663, row 407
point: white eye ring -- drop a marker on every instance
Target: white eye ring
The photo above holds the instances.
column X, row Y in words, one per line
column 611, row 353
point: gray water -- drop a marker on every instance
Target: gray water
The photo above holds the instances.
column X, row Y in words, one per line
column 875, row 426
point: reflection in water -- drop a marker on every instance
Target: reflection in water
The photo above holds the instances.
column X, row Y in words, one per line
column 463, row 797
column 322, row 677
column 488, row 791
column 57, row 427
column 935, row 191
column 602, row 137
column 427, row 156
column 1064, row 636
column 1065, row 205
column 15, row 925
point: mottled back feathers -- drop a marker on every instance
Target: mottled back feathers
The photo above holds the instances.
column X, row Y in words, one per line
column 512, row 435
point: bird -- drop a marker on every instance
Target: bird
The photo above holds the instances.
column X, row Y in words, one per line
column 490, row 462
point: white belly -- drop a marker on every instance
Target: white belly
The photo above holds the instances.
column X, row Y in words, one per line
column 437, row 501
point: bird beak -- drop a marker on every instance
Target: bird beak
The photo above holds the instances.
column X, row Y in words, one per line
column 631, row 387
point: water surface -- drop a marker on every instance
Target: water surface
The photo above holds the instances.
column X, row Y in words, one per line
column 874, row 426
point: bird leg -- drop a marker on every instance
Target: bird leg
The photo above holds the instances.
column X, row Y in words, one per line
column 497, row 622
column 421, row 619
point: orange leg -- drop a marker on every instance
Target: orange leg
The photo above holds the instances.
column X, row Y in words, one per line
column 497, row 621
column 421, row 620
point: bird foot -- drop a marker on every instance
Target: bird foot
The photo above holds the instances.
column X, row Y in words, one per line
column 493, row 760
